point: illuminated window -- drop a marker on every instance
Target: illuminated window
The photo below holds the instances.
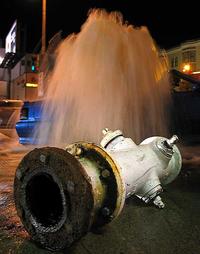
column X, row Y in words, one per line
column 189, row 56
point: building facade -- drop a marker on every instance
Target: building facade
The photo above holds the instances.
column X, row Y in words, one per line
column 24, row 78
column 185, row 57
column 21, row 81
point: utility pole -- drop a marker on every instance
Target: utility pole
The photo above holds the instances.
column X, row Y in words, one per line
column 43, row 51
column 43, row 27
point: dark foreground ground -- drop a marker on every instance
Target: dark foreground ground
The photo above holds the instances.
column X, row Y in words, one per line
column 140, row 229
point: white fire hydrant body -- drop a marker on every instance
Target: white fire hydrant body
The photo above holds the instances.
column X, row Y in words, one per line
column 146, row 167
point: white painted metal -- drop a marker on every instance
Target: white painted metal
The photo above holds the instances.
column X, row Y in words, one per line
column 144, row 168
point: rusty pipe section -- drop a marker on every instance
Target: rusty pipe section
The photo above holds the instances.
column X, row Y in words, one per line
column 60, row 194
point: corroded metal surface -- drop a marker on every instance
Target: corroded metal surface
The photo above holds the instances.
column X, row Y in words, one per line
column 68, row 177
column 110, row 176
column 59, row 198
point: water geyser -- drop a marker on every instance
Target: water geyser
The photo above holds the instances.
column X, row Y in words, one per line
column 109, row 74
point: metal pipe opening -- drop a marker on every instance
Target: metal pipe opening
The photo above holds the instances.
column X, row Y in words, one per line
column 44, row 200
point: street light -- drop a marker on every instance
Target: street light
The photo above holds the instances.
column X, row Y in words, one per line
column 187, row 68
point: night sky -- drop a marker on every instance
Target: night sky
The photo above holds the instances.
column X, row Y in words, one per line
column 169, row 22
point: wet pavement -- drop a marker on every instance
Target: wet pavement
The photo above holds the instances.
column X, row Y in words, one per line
column 140, row 229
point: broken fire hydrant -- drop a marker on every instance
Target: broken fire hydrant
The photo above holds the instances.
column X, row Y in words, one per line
column 60, row 194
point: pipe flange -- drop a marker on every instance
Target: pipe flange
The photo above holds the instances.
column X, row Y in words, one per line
column 110, row 176
column 53, row 197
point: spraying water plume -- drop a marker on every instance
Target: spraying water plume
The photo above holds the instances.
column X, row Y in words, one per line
column 108, row 75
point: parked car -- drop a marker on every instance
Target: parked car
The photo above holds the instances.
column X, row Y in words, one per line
column 30, row 119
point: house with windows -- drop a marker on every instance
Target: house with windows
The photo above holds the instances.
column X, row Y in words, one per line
column 185, row 57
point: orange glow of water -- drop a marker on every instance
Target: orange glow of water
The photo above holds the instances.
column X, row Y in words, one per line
column 108, row 75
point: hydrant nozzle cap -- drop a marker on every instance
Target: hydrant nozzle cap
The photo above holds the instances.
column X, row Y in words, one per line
column 105, row 131
column 172, row 141
column 109, row 136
